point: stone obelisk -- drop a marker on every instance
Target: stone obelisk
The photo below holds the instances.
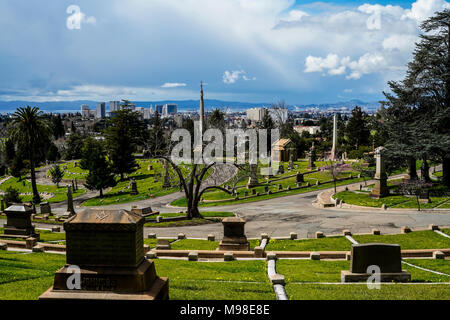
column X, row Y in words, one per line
column 202, row 109
column 333, row 155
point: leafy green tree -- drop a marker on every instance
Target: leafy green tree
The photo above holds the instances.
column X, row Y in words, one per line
column 122, row 137
column 217, row 120
column 56, row 174
column 94, row 160
column 30, row 130
column 52, row 153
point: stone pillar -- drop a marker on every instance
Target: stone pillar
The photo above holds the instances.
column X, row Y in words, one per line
column 253, row 179
column 380, row 188
column 166, row 183
column 291, row 162
column 70, row 209
column 333, row 155
column 311, row 164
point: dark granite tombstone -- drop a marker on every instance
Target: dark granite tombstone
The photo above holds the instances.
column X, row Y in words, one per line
column 134, row 191
column 107, row 246
column 45, row 208
column 424, row 196
column 281, row 169
column 18, row 222
column 385, row 256
column 299, row 178
column 234, row 238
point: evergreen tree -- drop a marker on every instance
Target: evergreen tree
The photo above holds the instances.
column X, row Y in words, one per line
column 122, row 137
column 74, row 146
column 56, row 174
column 93, row 159
column 357, row 132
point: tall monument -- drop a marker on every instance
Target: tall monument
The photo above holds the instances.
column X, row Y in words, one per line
column 202, row 109
column 380, row 188
column 333, row 155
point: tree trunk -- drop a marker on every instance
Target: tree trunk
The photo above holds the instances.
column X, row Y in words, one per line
column 101, row 193
column 425, row 170
column 446, row 171
column 412, row 171
column 36, row 197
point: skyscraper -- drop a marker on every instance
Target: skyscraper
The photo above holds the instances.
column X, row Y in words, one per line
column 101, row 110
column 114, row 106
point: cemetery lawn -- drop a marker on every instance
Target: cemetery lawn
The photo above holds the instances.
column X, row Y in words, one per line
column 45, row 236
column 220, row 195
column 25, row 276
column 335, row 243
column 24, row 186
column 446, row 231
column 300, row 273
column 415, row 240
column 205, row 214
column 146, row 185
column 234, row 280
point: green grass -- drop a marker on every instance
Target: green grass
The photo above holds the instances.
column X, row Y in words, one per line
column 190, row 244
column 26, row 276
column 363, row 199
column 337, row 243
column 152, row 242
column 182, row 201
column 362, row 292
column 446, row 231
column 329, row 271
column 146, row 185
column 60, row 194
column 415, row 240
column 208, row 281
column 47, row 236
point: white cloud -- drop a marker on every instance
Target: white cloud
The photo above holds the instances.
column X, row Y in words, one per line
column 422, row 9
column 333, row 65
column 173, row 85
column 230, row 77
column 403, row 42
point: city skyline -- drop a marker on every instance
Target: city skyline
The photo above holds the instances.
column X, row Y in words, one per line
column 253, row 51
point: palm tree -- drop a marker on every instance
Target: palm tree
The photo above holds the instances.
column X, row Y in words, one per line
column 29, row 130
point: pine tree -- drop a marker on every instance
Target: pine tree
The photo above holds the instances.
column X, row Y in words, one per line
column 93, row 159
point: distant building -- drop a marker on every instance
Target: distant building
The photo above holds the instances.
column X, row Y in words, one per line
column 114, row 106
column 256, row 114
column 169, row 109
column 101, row 110
column 310, row 129
column 159, row 108
column 85, row 111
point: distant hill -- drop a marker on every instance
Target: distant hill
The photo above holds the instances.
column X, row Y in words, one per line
column 183, row 105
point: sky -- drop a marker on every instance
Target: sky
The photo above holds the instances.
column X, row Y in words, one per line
column 300, row 51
